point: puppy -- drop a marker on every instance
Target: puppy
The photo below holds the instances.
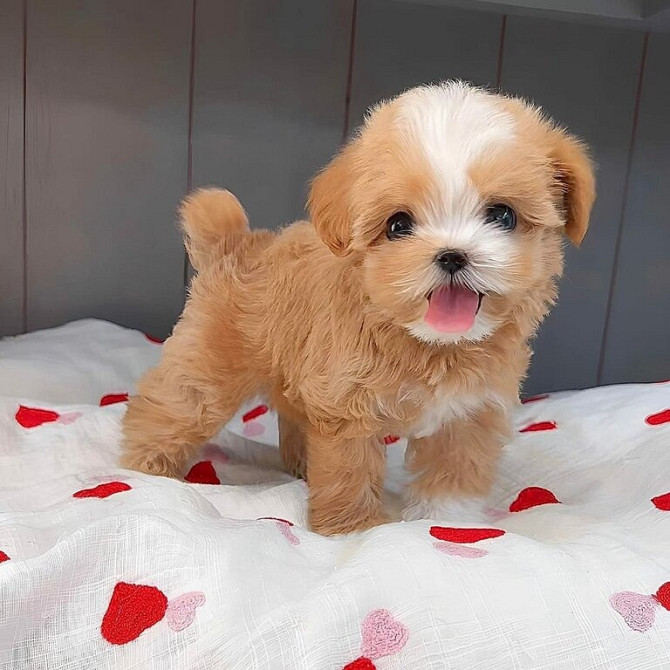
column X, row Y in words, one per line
column 406, row 306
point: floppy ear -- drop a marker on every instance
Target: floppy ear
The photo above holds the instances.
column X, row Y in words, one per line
column 574, row 174
column 329, row 203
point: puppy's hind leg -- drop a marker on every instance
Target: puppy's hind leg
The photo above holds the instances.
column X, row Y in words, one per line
column 181, row 404
column 292, row 447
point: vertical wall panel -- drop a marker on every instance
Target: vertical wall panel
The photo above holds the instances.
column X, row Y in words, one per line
column 586, row 77
column 637, row 346
column 11, row 167
column 107, row 118
column 269, row 103
column 399, row 45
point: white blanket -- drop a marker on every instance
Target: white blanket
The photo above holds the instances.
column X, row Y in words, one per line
column 566, row 565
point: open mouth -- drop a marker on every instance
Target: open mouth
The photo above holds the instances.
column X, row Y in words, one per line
column 453, row 309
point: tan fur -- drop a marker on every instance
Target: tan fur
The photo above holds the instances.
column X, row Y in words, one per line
column 322, row 329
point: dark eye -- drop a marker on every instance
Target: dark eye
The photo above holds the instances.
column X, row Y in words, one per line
column 399, row 225
column 502, row 216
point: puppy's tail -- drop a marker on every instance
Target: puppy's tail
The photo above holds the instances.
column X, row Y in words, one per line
column 214, row 222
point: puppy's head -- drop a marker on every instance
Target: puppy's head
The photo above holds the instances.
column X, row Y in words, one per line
column 456, row 201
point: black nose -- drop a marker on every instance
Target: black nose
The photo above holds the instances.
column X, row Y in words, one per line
column 452, row 261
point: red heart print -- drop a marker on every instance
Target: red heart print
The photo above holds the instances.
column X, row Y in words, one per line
column 3, row 557
column 534, row 398
column 462, row 535
column 202, row 473
column 31, row 417
column 662, row 502
column 255, row 413
column 361, row 663
column 132, row 609
column 154, row 340
column 391, row 439
column 659, row 418
column 539, row 426
column 663, row 595
column 532, row 497
column 102, row 490
column 113, row 398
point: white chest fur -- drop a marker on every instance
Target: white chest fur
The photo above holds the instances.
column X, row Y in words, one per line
column 446, row 407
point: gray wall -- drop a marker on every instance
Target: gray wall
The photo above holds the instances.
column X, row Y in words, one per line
column 110, row 110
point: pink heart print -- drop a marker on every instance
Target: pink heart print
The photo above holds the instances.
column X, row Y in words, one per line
column 636, row 609
column 285, row 529
column 69, row 418
column 461, row 550
column 382, row 634
column 180, row 612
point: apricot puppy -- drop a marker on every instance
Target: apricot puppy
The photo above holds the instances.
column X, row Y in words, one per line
column 406, row 306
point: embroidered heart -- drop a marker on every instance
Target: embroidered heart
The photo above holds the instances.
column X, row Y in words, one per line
column 213, row 452
column 662, row 502
column 658, row 418
column 202, row 473
column 285, row 529
column 461, row 550
column 113, row 398
column 255, row 413
column 154, row 340
column 495, row 514
column 31, row 417
column 102, row 490
column 132, row 609
column 534, row 398
column 181, row 611
column 391, row 439
column 539, row 426
column 3, row 557
column 636, row 609
column 462, row 535
column 361, row 664
column 69, row 418
column 382, row 634
column 532, row 497
column 253, row 429
column 663, row 595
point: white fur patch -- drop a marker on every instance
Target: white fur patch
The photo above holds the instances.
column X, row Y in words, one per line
column 454, row 125
column 446, row 407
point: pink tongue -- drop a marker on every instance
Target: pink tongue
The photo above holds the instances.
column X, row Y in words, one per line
column 452, row 309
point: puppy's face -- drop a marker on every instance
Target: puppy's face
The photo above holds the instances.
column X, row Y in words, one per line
column 456, row 201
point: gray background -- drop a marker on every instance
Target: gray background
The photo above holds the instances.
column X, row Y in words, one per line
column 110, row 110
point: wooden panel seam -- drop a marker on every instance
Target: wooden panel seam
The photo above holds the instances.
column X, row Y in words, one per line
column 189, row 131
column 24, row 202
column 350, row 69
column 501, row 51
column 624, row 204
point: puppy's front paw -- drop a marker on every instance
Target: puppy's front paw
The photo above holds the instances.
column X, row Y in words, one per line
column 152, row 463
column 342, row 524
